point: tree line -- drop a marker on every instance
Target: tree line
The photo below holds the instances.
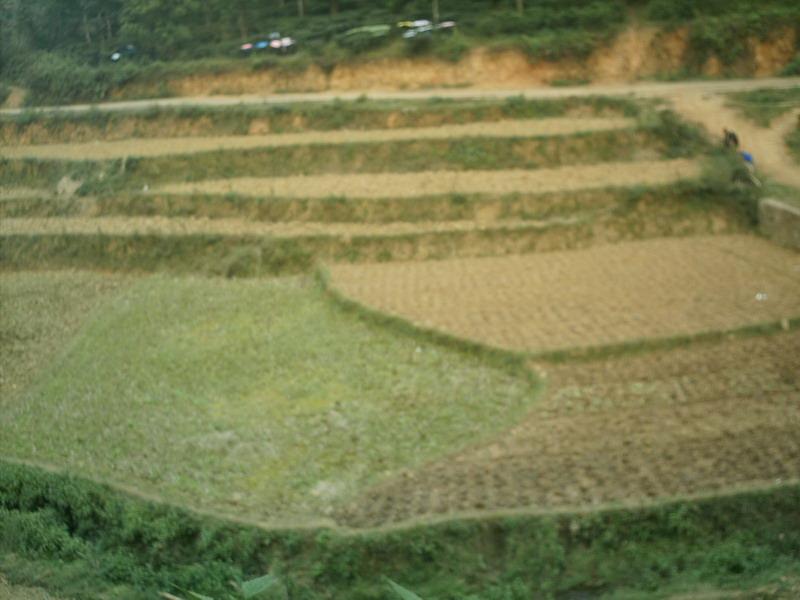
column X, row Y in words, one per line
column 97, row 25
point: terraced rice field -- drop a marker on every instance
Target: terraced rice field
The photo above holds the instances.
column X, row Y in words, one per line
column 592, row 298
column 620, row 254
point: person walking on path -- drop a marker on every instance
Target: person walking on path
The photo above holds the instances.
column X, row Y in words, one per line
column 731, row 140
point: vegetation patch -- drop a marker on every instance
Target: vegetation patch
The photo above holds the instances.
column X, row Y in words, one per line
column 83, row 539
column 763, row 106
column 41, row 314
column 251, row 398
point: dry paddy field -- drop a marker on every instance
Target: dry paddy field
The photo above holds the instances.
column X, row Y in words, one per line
column 604, row 296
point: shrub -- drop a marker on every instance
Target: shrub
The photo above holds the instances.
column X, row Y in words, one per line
column 670, row 10
column 793, row 68
column 57, row 79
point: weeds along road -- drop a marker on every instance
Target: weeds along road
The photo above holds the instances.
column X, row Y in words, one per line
column 643, row 89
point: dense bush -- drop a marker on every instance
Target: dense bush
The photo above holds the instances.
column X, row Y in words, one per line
column 84, row 534
column 793, row 68
column 61, row 79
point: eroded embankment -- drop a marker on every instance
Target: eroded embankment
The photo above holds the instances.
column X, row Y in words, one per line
column 638, row 52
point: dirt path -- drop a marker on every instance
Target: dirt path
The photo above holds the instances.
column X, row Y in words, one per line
column 193, row 145
column 647, row 89
column 592, row 298
column 767, row 145
column 409, row 185
column 677, row 423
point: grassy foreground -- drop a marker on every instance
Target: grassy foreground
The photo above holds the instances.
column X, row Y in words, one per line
column 82, row 539
column 252, row 398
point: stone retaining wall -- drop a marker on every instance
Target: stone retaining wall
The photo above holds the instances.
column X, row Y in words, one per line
column 780, row 221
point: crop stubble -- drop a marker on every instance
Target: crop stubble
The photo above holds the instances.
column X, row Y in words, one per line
column 675, row 423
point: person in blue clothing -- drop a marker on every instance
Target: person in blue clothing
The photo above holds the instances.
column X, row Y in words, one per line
column 750, row 165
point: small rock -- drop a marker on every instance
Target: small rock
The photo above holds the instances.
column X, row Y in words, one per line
column 67, row 187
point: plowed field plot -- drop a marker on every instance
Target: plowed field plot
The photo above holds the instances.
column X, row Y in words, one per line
column 604, row 296
column 674, row 423
column 192, row 145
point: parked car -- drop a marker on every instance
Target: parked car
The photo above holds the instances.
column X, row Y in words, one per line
column 422, row 27
column 275, row 42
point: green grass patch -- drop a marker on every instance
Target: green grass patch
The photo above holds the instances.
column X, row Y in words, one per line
column 241, row 120
column 83, row 539
column 40, row 315
column 334, row 209
column 253, row 398
column 763, row 106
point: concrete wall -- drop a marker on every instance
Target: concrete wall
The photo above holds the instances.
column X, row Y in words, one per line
column 780, row 221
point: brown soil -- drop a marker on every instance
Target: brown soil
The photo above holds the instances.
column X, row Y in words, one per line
column 609, row 295
column 675, row 423
column 167, row 146
column 408, row 185
column 767, row 145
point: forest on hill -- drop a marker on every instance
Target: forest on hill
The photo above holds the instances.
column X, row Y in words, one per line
column 42, row 41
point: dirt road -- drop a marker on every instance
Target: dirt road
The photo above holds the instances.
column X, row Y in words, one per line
column 193, row 145
column 766, row 144
column 644, row 89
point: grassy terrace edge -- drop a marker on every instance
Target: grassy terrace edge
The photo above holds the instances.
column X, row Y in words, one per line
column 293, row 118
column 79, row 537
column 248, row 256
